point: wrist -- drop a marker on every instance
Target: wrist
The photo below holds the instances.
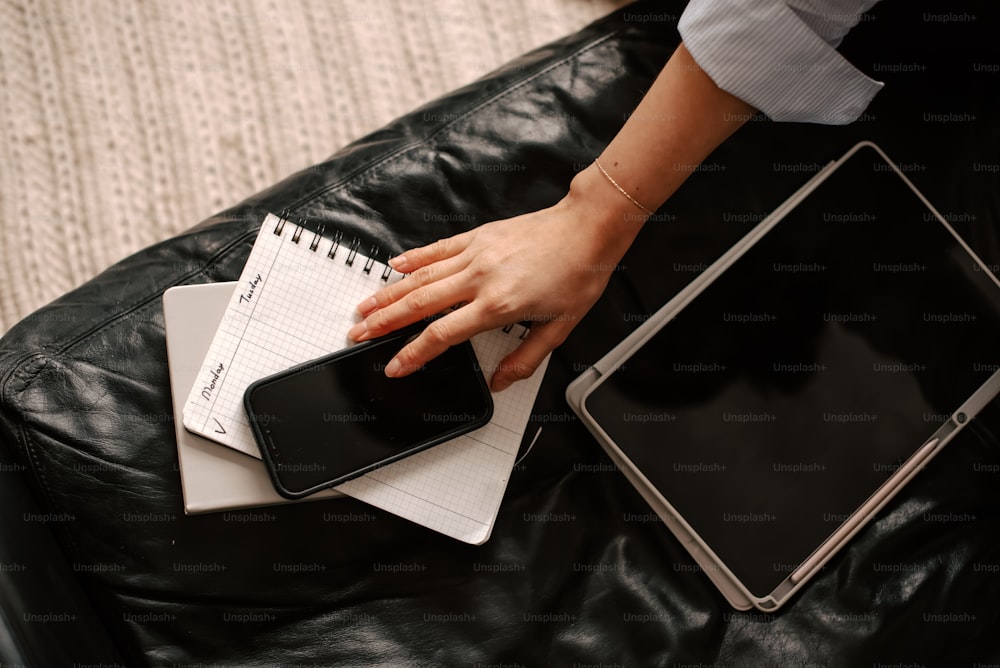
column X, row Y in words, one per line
column 593, row 197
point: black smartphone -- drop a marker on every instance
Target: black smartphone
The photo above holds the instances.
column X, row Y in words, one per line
column 335, row 418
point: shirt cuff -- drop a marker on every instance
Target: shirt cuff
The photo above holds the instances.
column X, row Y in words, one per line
column 766, row 55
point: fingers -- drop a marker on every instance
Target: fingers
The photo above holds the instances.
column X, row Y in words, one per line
column 420, row 277
column 472, row 272
column 437, row 337
column 426, row 292
column 528, row 356
column 441, row 249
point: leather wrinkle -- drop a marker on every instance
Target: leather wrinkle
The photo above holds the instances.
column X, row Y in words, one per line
column 119, row 318
column 152, row 299
column 385, row 160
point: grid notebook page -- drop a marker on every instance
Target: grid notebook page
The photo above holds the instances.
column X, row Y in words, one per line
column 293, row 303
column 456, row 487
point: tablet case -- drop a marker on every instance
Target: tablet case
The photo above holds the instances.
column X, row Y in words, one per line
column 735, row 591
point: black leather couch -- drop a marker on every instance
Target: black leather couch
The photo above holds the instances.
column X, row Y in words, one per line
column 99, row 564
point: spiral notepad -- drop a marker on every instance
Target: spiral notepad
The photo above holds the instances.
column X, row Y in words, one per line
column 295, row 301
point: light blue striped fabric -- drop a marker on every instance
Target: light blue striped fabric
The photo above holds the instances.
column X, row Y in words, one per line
column 780, row 55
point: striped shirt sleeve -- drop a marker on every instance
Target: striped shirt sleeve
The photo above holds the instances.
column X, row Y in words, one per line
column 780, row 55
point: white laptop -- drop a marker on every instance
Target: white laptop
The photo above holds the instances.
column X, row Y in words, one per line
column 777, row 403
column 214, row 478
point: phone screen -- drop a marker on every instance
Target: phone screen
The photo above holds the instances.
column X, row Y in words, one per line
column 324, row 422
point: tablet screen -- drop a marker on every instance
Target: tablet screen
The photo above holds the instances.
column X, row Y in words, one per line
column 782, row 396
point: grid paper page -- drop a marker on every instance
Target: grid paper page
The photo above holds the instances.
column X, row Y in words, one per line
column 293, row 303
column 456, row 487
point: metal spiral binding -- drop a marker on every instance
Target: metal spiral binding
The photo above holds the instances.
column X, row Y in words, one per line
column 371, row 259
column 352, row 252
column 335, row 243
column 332, row 253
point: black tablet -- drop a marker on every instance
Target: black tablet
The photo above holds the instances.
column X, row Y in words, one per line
column 772, row 407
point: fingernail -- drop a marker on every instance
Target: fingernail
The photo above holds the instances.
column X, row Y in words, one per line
column 398, row 263
column 392, row 368
column 367, row 306
column 359, row 331
column 499, row 385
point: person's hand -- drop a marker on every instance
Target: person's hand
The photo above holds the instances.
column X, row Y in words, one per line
column 548, row 267
column 551, row 266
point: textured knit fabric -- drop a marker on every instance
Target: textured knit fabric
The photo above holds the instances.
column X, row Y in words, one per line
column 123, row 123
column 780, row 56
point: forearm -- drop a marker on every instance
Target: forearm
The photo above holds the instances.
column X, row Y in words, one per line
column 682, row 119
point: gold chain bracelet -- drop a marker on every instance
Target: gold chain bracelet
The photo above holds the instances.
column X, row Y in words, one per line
column 620, row 189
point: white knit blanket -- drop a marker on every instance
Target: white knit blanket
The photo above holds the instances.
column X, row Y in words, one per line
column 123, row 123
